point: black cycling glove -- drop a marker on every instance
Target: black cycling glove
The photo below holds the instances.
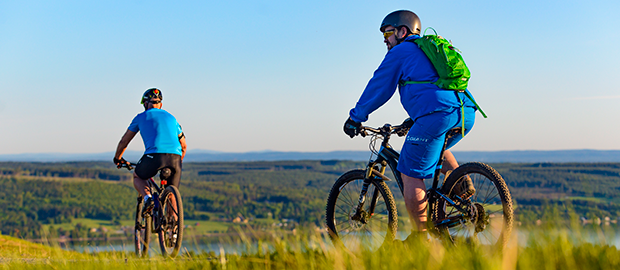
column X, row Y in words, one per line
column 352, row 128
column 119, row 162
column 408, row 123
column 405, row 126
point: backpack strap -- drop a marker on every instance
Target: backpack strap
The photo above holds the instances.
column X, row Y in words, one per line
column 474, row 101
column 403, row 83
column 462, row 115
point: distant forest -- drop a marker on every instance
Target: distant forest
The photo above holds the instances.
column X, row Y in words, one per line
column 34, row 194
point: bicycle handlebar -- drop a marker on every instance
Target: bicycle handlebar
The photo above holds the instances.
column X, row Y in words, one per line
column 385, row 130
column 130, row 166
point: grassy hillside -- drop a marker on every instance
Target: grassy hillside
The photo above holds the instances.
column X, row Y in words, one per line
column 14, row 248
column 592, row 190
column 557, row 249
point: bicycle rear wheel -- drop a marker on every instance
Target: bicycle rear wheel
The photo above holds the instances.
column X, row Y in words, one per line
column 490, row 217
column 373, row 226
column 142, row 230
column 170, row 230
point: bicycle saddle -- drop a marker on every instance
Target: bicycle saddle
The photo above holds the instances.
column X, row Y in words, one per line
column 165, row 173
column 453, row 132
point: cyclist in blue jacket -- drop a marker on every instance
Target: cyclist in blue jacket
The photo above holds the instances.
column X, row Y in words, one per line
column 164, row 143
column 432, row 111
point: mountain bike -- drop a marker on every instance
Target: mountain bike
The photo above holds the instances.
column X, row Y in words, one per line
column 165, row 218
column 361, row 211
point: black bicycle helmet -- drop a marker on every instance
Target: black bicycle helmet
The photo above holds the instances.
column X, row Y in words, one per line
column 152, row 93
column 403, row 18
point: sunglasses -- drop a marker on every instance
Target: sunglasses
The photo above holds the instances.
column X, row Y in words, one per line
column 389, row 33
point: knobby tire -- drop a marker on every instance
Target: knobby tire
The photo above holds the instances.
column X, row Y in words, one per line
column 378, row 229
column 169, row 244
column 492, row 223
column 142, row 231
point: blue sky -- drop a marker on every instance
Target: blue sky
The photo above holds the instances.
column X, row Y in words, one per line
column 282, row 75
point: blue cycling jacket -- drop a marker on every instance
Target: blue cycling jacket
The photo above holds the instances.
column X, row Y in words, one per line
column 159, row 130
column 407, row 62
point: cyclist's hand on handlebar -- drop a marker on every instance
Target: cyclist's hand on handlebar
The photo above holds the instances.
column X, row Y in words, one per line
column 404, row 127
column 352, row 128
column 119, row 162
column 408, row 123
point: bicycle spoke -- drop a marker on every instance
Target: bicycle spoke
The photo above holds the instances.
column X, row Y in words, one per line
column 347, row 194
column 364, row 233
column 343, row 210
column 171, row 231
column 346, row 200
column 344, row 226
column 488, row 191
column 173, row 210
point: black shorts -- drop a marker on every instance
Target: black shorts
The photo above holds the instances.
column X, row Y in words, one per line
column 150, row 164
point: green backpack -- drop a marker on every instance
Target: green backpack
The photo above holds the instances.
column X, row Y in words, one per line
column 453, row 73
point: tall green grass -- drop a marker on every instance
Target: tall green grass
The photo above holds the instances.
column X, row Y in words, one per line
column 541, row 248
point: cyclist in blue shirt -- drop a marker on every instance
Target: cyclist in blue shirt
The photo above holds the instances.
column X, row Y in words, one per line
column 164, row 143
column 432, row 111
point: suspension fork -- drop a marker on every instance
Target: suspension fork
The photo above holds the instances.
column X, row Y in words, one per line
column 375, row 194
column 360, row 214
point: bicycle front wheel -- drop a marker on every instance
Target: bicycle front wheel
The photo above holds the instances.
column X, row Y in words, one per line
column 142, row 231
column 370, row 227
column 170, row 230
column 490, row 214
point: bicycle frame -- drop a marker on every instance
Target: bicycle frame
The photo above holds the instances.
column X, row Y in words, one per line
column 156, row 213
column 159, row 218
column 155, row 191
column 388, row 157
column 150, row 183
column 471, row 204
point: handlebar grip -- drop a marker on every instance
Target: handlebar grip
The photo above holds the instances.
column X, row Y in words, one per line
column 128, row 165
column 401, row 131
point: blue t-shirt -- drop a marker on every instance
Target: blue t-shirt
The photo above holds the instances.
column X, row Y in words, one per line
column 407, row 62
column 159, row 130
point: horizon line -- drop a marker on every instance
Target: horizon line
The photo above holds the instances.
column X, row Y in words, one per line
column 215, row 152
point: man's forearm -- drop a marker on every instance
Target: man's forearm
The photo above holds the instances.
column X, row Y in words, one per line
column 122, row 145
column 120, row 150
column 183, row 147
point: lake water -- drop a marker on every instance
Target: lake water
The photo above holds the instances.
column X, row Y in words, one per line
column 603, row 235
column 194, row 245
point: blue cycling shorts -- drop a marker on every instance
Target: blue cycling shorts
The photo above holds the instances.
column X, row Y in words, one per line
column 423, row 143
